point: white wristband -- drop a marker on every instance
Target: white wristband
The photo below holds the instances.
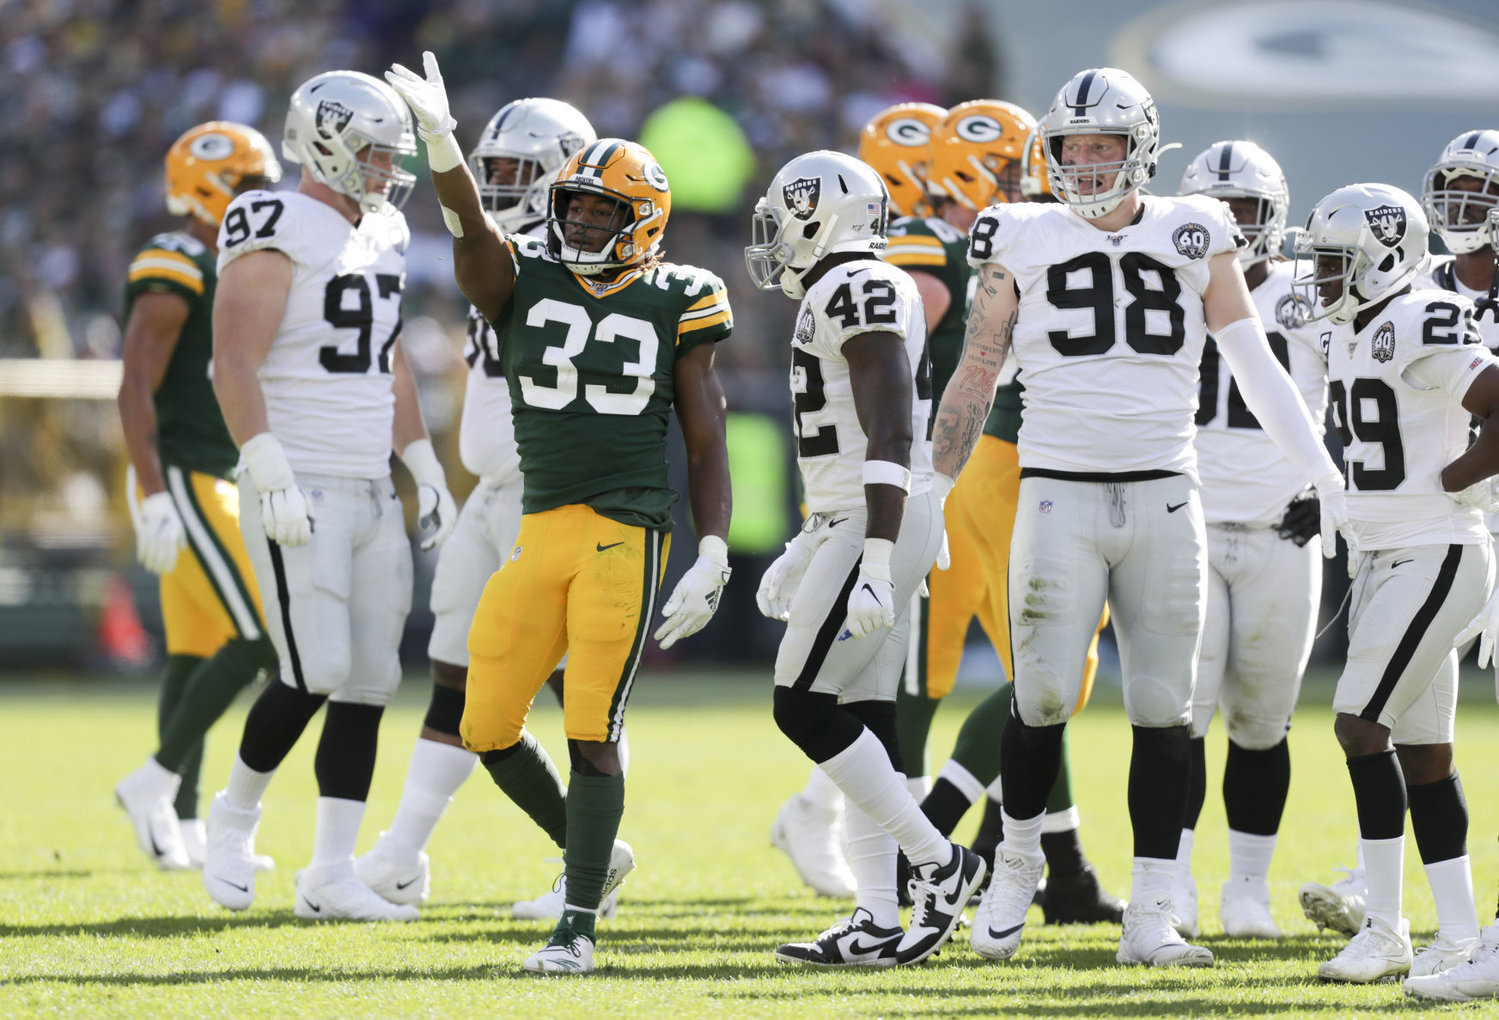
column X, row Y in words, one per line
column 884, row 472
column 711, row 547
column 266, row 461
column 443, row 153
column 877, row 554
column 421, row 460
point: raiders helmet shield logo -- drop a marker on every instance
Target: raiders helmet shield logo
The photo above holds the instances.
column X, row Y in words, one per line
column 1191, row 239
column 804, row 327
column 332, row 117
column 1387, row 224
column 1291, row 312
column 801, row 196
column 1383, row 344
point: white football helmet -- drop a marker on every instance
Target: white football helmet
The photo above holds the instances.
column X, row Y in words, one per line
column 1107, row 101
column 539, row 134
column 352, row 132
column 819, row 204
column 1462, row 216
column 1373, row 237
column 1240, row 169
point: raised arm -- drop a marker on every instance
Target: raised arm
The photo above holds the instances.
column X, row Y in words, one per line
column 970, row 391
column 482, row 262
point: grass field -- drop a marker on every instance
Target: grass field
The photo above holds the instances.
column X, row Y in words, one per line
column 88, row 927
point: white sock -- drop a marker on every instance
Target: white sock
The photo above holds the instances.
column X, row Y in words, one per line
column 1249, row 856
column 1022, row 837
column 1060, row 821
column 1151, row 878
column 1183, row 854
column 337, row 831
column 1384, row 866
column 1452, row 888
column 919, row 787
column 622, row 748
column 871, row 857
column 1358, row 858
column 821, row 792
column 864, row 773
column 436, row 772
column 246, row 786
column 964, row 781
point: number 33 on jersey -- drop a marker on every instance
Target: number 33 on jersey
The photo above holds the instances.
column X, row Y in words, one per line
column 573, row 351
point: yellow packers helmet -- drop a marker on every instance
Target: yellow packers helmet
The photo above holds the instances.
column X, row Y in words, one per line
column 895, row 142
column 212, row 163
column 977, row 150
column 627, row 173
column 1033, row 183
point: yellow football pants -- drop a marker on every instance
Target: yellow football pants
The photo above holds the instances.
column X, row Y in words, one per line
column 980, row 518
column 578, row 583
column 211, row 595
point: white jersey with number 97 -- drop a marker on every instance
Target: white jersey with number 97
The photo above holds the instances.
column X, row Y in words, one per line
column 867, row 296
column 326, row 378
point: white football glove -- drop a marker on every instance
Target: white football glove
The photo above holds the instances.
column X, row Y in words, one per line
column 871, row 605
column 436, row 511
column 427, row 97
column 942, row 484
column 159, row 533
column 285, row 513
column 1485, row 627
column 695, row 598
column 778, row 586
column 1334, row 506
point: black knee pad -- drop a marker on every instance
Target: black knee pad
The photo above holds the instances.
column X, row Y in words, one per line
column 345, row 761
column 445, row 711
column 815, row 723
column 879, row 718
column 1379, row 791
column 1255, row 784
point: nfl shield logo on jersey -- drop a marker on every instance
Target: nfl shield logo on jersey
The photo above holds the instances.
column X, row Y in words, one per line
column 1383, row 344
column 804, row 327
column 801, row 196
column 1191, row 239
column 332, row 117
column 1387, row 224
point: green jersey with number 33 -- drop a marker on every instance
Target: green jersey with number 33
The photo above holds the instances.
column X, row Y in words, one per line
column 592, row 379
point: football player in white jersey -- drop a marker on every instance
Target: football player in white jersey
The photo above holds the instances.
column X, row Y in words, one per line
column 861, row 388
column 516, row 160
column 1264, row 574
column 314, row 390
column 1403, row 390
column 1105, row 301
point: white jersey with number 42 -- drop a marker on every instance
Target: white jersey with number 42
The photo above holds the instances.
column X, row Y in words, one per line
column 326, row 378
column 867, row 296
column 1110, row 328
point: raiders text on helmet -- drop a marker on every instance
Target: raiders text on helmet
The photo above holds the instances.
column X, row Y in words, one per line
column 1240, row 169
column 1104, row 100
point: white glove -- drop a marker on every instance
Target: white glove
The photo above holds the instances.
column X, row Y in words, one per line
column 1479, row 496
column 436, row 512
column 1334, row 505
column 285, row 513
column 695, row 598
column 871, row 605
column 778, row 586
column 158, row 532
column 427, row 97
column 1485, row 627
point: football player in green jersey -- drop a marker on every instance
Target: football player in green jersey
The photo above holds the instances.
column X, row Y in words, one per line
column 600, row 339
column 181, row 460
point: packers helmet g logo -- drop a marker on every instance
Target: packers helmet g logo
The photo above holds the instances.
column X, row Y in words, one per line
column 1387, row 224
column 212, row 146
column 909, row 132
column 801, row 196
column 978, row 128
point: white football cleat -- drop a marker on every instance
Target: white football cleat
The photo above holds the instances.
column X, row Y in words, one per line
column 1377, row 953
column 330, row 892
column 1339, row 906
column 229, row 854
column 398, row 874
column 568, row 952
column 195, row 842
column 853, row 942
column 1476, row 979
column 1442, row 954
column 1000, row 920
column 548, row 906
column 1152, row 936
column 146, row 795
column 811, row 837
column 1184, row 904
column 1244, row 909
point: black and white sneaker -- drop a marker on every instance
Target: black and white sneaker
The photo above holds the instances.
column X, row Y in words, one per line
column 938, row 894
column 854, row 942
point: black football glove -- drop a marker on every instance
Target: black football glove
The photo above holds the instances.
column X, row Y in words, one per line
column 1303, row 520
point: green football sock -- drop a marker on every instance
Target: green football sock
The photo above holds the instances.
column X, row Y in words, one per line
column 913, row 721
column 188, row 763
column 594, row 807
column 977, row 746
column 528, row 777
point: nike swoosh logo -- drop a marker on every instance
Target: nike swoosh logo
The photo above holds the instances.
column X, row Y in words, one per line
column 611, row 545
column 1173, row 509
column 155, row 846
column 836, row 521
column 859, row 948
column 235, row 885
column 408, row 883
column 871, row 592
column 855, row 272
column 1399, row 562
column 315, row 908
column 1006, row 933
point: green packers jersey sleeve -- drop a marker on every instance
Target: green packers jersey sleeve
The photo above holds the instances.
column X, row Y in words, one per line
column 934, row 246
column 592, row 379
column 190, row 427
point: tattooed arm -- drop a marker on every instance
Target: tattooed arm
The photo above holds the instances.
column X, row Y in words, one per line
column 970, row 392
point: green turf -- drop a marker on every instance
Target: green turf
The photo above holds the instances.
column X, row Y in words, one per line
column 88, row 927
